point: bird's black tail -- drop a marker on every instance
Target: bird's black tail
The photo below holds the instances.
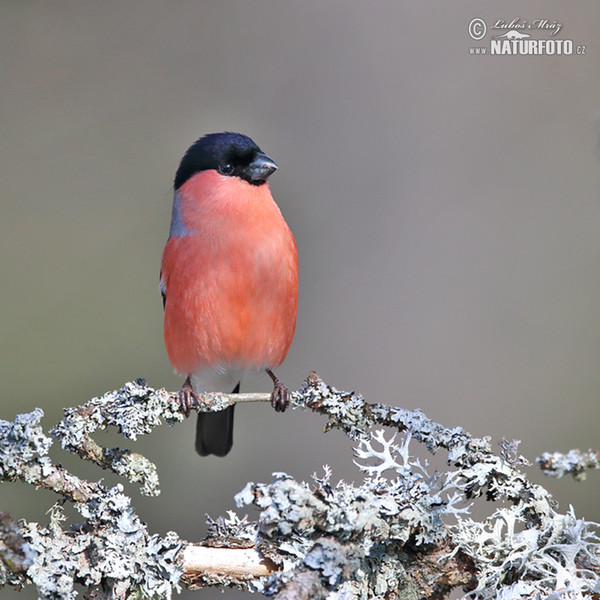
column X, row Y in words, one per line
column 214, row 431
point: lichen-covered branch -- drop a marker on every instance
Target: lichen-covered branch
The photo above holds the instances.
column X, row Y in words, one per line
column 134, row 410
column 404, row 531
column 574, row 462
column 23, row 453
column 13, row 566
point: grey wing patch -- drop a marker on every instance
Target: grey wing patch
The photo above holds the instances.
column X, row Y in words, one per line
column 178, row 229
column 162, row 286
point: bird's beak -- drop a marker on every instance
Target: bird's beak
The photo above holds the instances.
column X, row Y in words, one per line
column 260, row 169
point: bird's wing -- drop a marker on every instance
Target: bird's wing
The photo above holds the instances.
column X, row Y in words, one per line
column 162, row 286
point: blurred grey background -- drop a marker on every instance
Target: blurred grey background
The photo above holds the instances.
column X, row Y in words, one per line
column 446, row 208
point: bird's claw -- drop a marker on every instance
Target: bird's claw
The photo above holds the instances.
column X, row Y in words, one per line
column 188, row 398
column 280, row 398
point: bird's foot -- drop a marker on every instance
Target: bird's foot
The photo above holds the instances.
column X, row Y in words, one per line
column 188, row 398
column 280, row 398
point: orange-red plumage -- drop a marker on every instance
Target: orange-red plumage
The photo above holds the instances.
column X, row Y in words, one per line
column 232, row 282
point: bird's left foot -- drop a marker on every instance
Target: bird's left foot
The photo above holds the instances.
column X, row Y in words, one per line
column 188, row 398
column 280, row 398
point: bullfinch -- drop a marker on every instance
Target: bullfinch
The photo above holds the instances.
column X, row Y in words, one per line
column 229, row 279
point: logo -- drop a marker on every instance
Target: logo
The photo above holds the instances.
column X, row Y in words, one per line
column 513, row 34
column 521, row 37
column 477, row 29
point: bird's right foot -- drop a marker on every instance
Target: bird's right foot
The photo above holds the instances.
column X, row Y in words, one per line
column 280, row 398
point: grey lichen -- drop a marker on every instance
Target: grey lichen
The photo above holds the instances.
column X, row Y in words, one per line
column 360, row 539
column 23, row 443
column 12, row 552
column 112, row 550
column 559, row 558
column 575, row 462
column 230, row 531
column 404, row 531
column 374, row 539
column 134, row 410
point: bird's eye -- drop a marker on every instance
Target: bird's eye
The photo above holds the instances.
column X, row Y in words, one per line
column 226, row 169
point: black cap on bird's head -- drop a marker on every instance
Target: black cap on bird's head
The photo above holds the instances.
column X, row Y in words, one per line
column 231, row 154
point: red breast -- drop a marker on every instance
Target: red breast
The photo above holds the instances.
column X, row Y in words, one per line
column 231, row 278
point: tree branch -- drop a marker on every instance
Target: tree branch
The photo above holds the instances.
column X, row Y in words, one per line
column 202, row 564
column 402, row 532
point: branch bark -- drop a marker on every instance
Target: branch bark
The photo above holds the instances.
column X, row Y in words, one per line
column 204, row 564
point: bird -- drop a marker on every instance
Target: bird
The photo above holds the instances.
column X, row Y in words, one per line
column 229, row 279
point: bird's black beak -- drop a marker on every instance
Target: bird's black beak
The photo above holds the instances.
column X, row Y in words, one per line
column 260, row 169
